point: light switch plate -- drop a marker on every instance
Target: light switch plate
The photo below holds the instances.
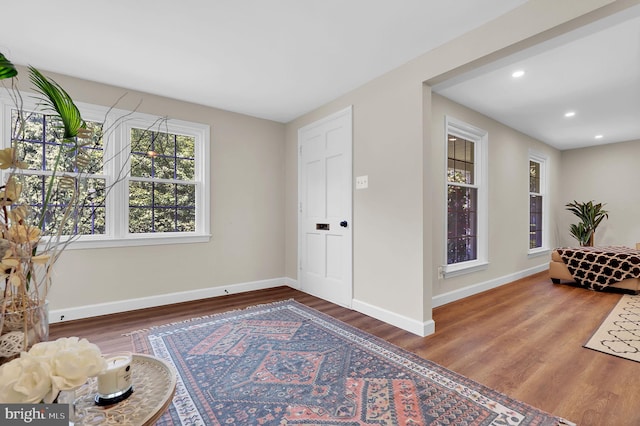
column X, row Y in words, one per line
column 362, row 182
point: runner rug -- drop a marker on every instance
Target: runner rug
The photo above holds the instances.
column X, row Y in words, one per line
column 619, row 333
column 287, row 364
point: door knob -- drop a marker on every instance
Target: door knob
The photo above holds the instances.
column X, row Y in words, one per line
column 344, row 223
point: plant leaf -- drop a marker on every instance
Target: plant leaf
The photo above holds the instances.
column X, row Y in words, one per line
column 59, row 101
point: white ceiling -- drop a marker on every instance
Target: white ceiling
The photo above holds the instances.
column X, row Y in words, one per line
column 282, row 58
column 593, row 71
column 272, row 59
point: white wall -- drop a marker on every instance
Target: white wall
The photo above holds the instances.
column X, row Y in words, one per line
column 607, row 174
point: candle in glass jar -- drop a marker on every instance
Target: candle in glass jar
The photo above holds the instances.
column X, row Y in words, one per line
column 117, row 377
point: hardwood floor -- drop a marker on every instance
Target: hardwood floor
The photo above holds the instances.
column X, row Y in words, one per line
column 523, row 339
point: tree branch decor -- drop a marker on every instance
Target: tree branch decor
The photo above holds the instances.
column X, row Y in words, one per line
column 35, row 228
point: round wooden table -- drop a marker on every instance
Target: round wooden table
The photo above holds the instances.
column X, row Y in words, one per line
column 154, row 383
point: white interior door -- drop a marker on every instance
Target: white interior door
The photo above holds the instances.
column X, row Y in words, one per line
column 325, row 208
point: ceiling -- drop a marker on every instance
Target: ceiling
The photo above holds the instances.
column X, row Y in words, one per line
column 593, row 71
column 271, row 59
column 280, row 59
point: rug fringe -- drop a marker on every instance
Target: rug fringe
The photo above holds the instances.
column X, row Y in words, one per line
column 156, row 327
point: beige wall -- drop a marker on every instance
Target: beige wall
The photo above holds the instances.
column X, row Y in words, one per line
column 247, row 213
column 508, row 195
column 394, row 219
column 607, row 174
column 254, row 186
column 387, row 217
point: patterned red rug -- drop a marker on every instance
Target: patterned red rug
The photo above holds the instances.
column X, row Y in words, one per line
column 287, row 364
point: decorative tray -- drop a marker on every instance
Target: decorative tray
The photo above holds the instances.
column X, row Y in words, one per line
column 154, row 383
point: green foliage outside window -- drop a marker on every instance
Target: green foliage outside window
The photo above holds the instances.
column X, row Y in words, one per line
column 39, row 144
column 161, row 189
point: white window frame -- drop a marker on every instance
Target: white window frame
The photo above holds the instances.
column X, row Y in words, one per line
column 543, row 160
column 480, row 138
column 117, row 200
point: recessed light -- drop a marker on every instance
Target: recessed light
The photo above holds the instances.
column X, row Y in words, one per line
column 517, row 74
column 598, row 136
column 570, row 114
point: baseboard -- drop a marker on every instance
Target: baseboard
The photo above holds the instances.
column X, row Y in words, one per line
column 424, row 328
column 400, row 321
column 452, row 296
column 98, row 309
column 416, row 327
column 292, row 283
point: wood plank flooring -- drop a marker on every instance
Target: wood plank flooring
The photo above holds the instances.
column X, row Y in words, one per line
column 523, row 339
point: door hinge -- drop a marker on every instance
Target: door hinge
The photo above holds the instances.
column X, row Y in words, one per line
column 300, row 207
column 300, row 151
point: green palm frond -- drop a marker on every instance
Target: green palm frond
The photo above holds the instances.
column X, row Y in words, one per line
column 59, row 102
column 7, row 69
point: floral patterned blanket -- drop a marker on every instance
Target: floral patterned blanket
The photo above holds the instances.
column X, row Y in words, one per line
column 598, row 267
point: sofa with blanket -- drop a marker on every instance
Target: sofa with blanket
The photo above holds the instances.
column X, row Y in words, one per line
column 597, row 268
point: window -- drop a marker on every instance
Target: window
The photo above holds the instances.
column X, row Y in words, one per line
column 462, row 226
column 144, row 179
column 466, row 228
column 38, row 147
column 162, row 187
column 537, row 203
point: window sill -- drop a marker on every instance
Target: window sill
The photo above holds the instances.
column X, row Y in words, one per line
column 538, row 252
column 140, row 240
column 450, row 271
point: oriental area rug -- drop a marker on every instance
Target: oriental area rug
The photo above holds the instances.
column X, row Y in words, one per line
column 287, row 364
column 619, row 333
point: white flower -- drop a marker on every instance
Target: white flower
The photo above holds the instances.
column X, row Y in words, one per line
column 71, row 361
column 26, row 380
column 48, row 368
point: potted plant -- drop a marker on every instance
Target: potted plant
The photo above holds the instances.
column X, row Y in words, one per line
column 591, row 214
